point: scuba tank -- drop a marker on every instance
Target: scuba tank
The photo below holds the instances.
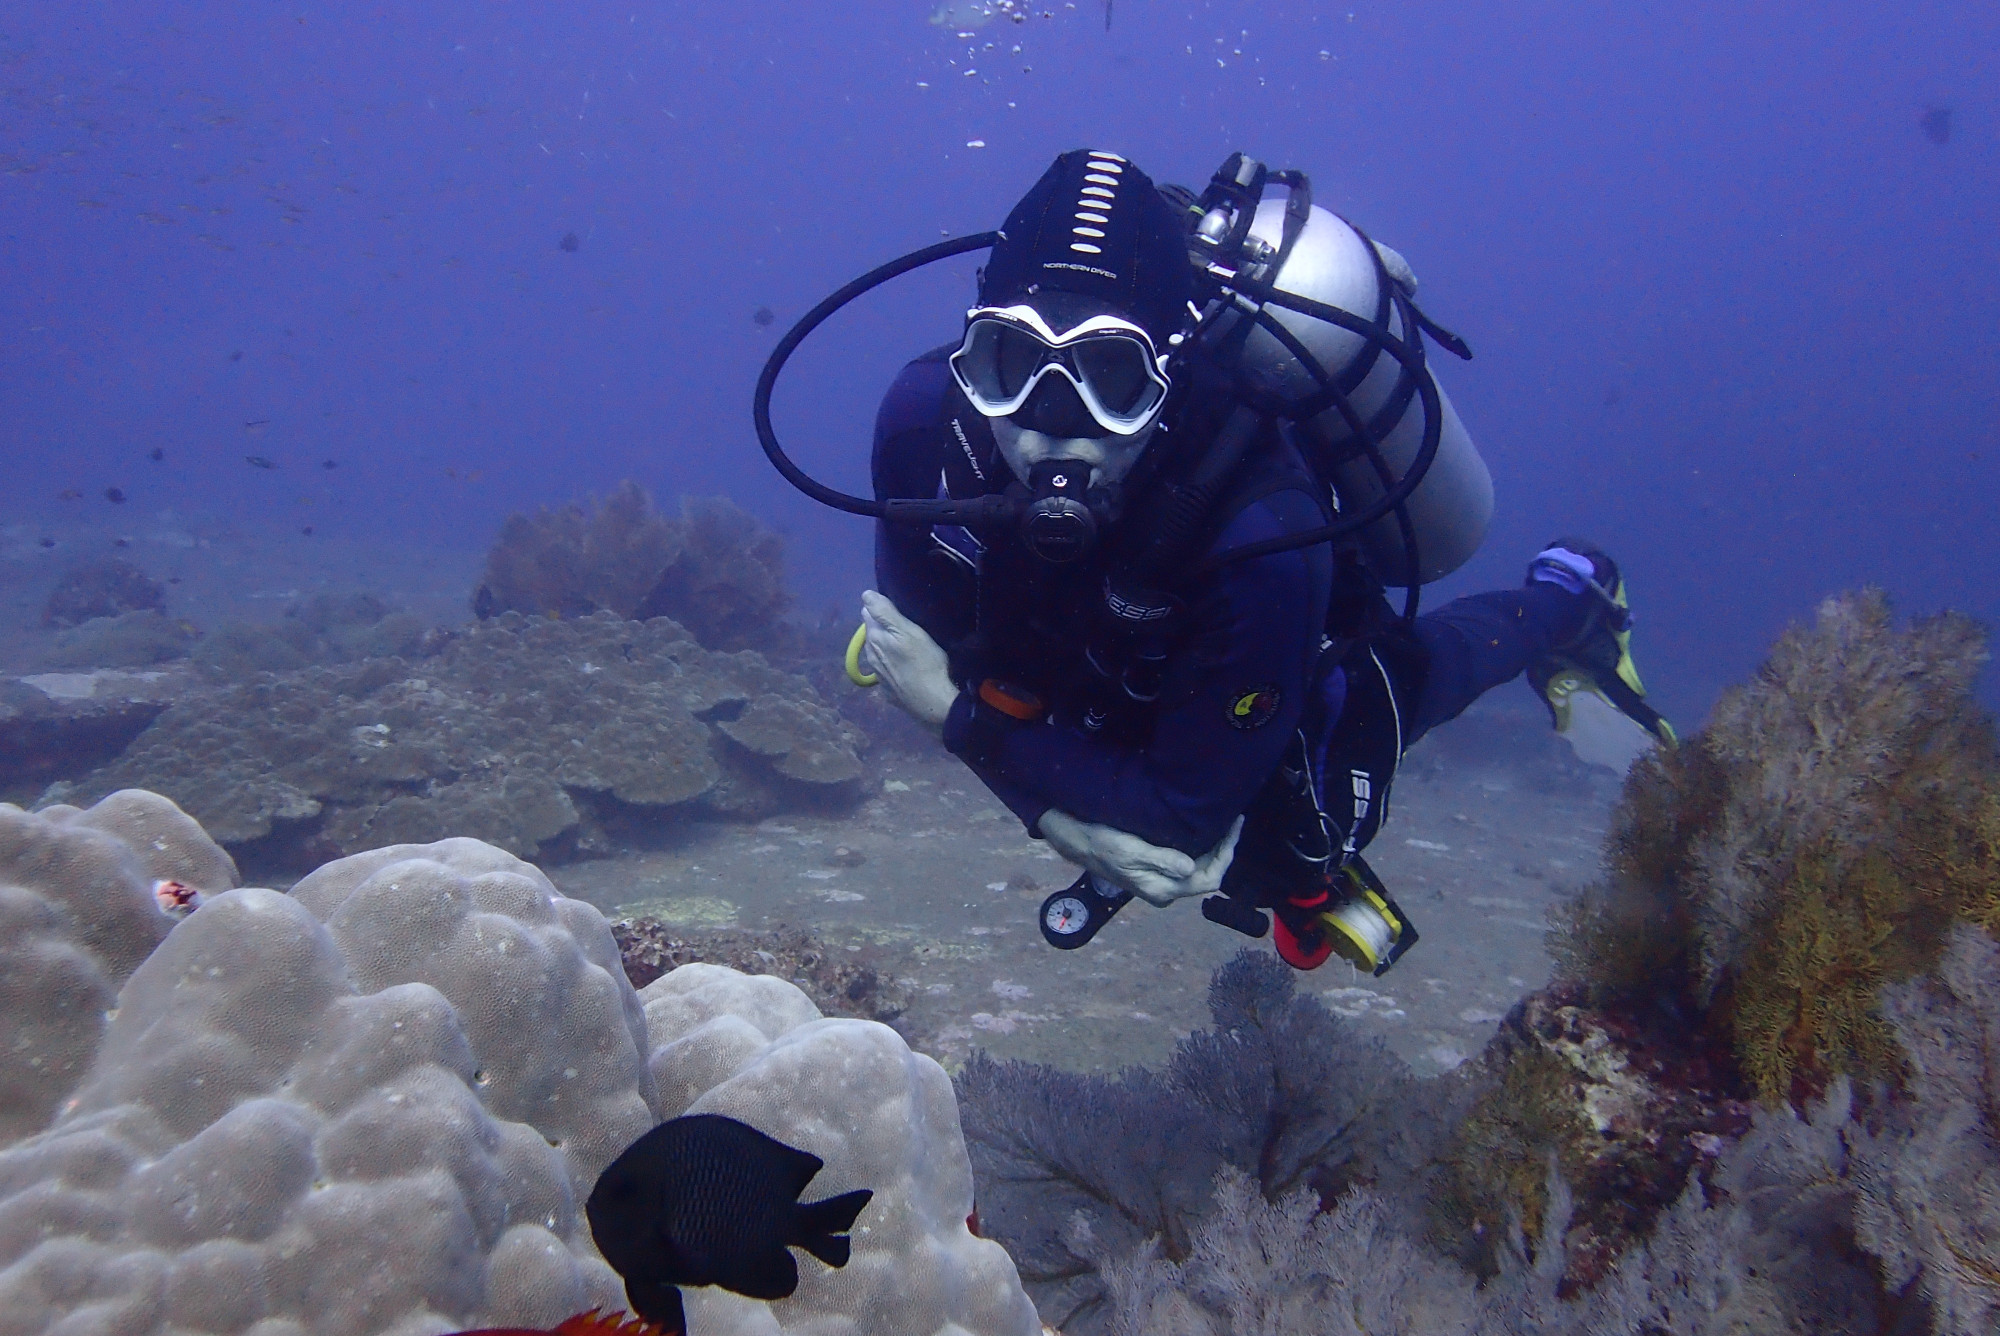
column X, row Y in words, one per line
column 1330, row 261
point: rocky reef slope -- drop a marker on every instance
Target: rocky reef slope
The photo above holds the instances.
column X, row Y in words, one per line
column 533, row 735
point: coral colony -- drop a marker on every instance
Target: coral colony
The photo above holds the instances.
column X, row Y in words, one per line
column 1761, row 1095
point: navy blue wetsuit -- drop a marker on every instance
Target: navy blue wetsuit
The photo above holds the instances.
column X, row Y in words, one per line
column 1235, row 682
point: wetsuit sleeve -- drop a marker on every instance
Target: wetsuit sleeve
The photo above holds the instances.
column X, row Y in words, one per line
column 1474, row 644
column 907, row 462
column 1253, row 639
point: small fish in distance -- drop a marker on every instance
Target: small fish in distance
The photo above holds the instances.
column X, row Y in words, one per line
column 115, row 495
column 156, row 454
column 1936, row 125
column 329, row 463
column 259, row 462
column 763, row 316
column 257, row 427
column 594, row 1323
column 707, row 1200
column 569, row 242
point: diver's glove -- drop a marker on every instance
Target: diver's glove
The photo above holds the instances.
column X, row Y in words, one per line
column 909, row 662
column 1156, row 874
column 1590, row 681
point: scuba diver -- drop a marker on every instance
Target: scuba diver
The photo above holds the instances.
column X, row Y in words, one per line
column 1134, row 533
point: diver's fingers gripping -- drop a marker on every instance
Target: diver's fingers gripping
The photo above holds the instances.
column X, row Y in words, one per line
column 1129, row 851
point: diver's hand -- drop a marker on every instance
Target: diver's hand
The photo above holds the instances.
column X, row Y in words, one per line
column 908, row 661
column 1155, row 874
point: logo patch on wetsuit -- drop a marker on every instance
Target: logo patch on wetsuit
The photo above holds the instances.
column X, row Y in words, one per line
column 1253, row 708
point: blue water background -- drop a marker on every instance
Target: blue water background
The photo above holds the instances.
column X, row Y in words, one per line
column 1734, row 313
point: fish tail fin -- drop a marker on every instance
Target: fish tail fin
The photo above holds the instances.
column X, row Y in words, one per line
column 597, row 1322
column 657, row 1303
column 823, row 1225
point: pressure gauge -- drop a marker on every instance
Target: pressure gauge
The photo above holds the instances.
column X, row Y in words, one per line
column 1072, row 917
column 1066, row 915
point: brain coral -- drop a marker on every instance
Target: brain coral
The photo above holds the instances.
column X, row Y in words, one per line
column 526, row 733
column 372, row 1107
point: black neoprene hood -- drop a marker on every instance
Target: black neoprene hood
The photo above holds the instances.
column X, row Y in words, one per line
column 1094, row 227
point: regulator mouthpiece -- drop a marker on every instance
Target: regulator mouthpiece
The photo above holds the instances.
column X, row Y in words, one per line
column 1059, row 526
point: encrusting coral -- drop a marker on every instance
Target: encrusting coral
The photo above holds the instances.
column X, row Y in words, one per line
column 716, row 570
column 373, row 1107
column 527, row 733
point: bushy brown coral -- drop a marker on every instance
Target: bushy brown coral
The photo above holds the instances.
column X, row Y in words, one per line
column 1813, row 843
column 1763, row 884
column 716, row 570
column 102, row 589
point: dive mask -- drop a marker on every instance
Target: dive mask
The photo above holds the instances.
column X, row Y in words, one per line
column 1109, row 361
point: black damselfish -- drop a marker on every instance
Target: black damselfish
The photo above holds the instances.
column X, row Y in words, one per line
column 707, row 1200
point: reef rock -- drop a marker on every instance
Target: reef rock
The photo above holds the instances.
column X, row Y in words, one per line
column 321, row 628
column 858, row 981
column 1819, row 841
column 881, row 1117
column 1625, row 1112
column 61, row 725
column 127, row 640
column 527, row 733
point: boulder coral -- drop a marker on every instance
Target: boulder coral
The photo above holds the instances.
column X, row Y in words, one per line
column 882, row 1117
column 527, row 733
column 365, row 1107
column 374, row 1106
column 77, row 916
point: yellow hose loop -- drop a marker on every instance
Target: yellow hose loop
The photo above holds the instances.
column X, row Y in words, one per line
column 854, row 673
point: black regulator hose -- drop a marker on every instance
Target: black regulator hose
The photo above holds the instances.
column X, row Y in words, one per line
column 912, row 511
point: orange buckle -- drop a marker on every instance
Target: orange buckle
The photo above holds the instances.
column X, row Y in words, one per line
column 1010, row 700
